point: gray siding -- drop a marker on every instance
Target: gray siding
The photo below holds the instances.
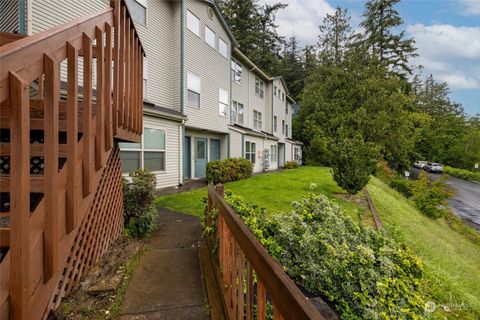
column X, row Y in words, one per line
column 212, row 68
column 9, row 17
column 279, row 110
column 235, row 144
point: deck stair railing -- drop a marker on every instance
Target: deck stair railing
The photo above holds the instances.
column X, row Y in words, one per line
column 241, row 259
column 67, row 95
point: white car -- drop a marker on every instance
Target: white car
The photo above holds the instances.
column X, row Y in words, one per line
column 420, row 164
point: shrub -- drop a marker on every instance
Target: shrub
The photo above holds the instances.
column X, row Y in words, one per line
column 403, row 186
column 232, row 169
column 290, row 165
column 364, row 273
column 462, row 173
column 138, row 195
column 429, row 196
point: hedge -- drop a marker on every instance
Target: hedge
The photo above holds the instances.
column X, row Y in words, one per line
column 232, row 169
column 462, row 173
column 290, row 165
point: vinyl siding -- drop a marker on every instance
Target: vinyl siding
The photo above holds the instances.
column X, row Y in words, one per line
column 289, row 151
column 235, row 144
column 257, row 103
column 241, row 92
column 9, row 17
column 261, row 145
column 175, row 55
column 208, row 64
column 156, row 36
column 171, row 176
column 279, row 110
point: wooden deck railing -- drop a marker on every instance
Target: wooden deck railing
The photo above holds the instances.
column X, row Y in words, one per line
column 242, row 260
column 61, row 82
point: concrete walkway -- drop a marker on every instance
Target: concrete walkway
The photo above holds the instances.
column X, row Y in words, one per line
column 167, row 283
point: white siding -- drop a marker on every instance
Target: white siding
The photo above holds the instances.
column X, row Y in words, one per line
column 289, row 151
column 261, row 145
column 173, row 164
column 279, row 110
column 213, row 69
column 235, row 144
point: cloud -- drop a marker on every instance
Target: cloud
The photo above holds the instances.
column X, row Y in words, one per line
column 450, row 53
column 301, row 18
column 470, row 7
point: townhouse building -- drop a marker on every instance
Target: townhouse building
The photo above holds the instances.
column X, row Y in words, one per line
column 203, row 98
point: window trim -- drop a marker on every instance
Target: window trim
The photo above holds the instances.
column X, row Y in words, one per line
column 226, row 48
column 193, row 90
column 234, row 111
column 260, row 89
column 237, row 66
column 214, row 46
column 258, row 120
column 198, row 19
column 275, row 123
column 251, row 155
column 225, row 104
column 144, row 4
column 273, row 155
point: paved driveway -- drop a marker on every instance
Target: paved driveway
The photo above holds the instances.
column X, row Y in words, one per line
column 465, row 203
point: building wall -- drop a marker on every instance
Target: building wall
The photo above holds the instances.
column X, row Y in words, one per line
column 208, row 64
column 236, row 150
column 279, row 109
column 241, row 93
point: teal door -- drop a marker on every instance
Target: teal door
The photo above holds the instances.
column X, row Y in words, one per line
column 214, row 149
column 200, row 157
column 187, row 158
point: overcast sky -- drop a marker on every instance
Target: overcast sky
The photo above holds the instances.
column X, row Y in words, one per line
column 447, row 35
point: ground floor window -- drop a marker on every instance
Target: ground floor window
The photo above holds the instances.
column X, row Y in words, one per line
column 250, row 151
column 149, row 154
column 273, row 153
column 297, row 155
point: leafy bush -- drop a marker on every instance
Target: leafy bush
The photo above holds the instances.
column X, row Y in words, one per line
column 403, row 186
column 290, row 165
column 232, row 169
column 138, row 195
column 462, row 173
column 353, row 164
column 365, row 274
column 429, row 196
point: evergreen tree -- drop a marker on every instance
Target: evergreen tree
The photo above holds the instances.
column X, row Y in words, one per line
column 335, row 36
column 291, row 67
column 390, row 48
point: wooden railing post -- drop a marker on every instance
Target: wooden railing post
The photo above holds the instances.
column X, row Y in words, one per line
column 51, row 237
column 116, row 65
column 87, row 116
column 108, row 89
column 121, row 91
column 19, row 197
column 100, row 125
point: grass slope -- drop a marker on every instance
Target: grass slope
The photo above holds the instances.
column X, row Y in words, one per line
column 452, row 262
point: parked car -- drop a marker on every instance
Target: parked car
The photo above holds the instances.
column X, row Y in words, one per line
column 433, row 167
column 420, row 164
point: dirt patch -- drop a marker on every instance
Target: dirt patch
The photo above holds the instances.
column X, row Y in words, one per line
column 100, row 293
column 359, row 200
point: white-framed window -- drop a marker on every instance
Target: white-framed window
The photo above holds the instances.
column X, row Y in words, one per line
column 236, row 71
column 297, row 154
column 223, row 102
column 275, row 123
column 149, row 154
column 237, row 112
column 275, row 91
column 223, row 48
column 286, row 130
column 250, row 151
column 193, row 90
column 145, row 77
column 193, row 23
column 259, row 87
column 210, row 37
column 273, row 153
column 283, row 96
column 286, row 109
column 257, row 120
column 138, row 10
column 283, row 126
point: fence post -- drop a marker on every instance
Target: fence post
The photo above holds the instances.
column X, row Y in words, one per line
column 221, row 190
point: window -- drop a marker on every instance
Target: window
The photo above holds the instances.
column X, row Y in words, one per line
column 279, row 94
column 138, row 10
column 283, row 96
column 286, row 109
column 223, row 48
column 236, row 71
column 275, row 90
column 209, row 37
column 237, row 112
column 250, row 151
column 283, row 126
column 223, row 102
column 257, row 120
column 297, row 155
column 150, row 154
column 145, row 76
column 286, row 130
column 259, row 87
column 273, row 153
column 193, row 90
column 275, row 123
column 193, row 23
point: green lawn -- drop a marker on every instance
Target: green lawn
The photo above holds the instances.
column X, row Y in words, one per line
column 452, row 262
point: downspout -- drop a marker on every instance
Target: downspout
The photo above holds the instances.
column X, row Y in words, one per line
column 182, row 102
column 273, row 85
column 22, row 22
column 228, row 144
column 243, row 146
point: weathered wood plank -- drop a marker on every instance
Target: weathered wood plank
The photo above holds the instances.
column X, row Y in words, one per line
column 100, row 128
column 87, row 116
column 121, row 92
column 108, row 91
column 116, row 66
column 261, row 300
column 128, row 74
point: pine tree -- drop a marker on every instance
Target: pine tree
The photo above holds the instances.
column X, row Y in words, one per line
column 391, row 49
column 335, row 36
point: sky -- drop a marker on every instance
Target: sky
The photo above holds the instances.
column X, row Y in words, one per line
column 447, row 35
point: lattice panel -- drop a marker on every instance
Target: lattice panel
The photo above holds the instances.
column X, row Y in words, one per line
column 100, row 227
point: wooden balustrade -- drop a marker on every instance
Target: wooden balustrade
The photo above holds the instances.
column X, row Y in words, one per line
column 33, row 273
column 250, row 279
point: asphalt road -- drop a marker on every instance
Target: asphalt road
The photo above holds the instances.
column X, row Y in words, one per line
column 465, row 202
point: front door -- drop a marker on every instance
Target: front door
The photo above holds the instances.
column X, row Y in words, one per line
column 200, row 157
column 214, row 149
column 187, row 158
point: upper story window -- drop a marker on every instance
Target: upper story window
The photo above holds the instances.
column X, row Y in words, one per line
column 286, row 109
column 145, row 76
column 138, row 10
column 250, row 151
column 286, row 130
column 257, row 120
column 193, row 90
column 259, row 87
column 223, row 48
column 236, row 71
column 275, row 90
column 283, row 96
column 283, row 126
column 193, row 23
column 223, row 102
column 237, row 112
column 275, row 123
column 210, row 37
